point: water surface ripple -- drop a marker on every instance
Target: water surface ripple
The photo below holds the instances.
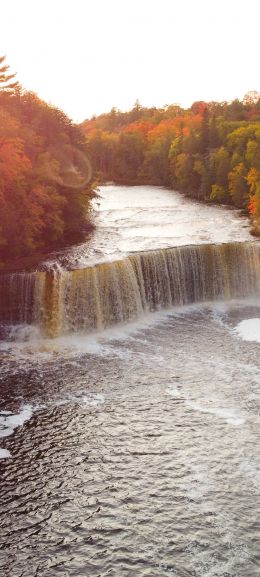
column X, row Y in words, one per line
column 138, row 458
column 141, row 218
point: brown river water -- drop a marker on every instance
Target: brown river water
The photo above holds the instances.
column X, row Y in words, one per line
column 130, row 398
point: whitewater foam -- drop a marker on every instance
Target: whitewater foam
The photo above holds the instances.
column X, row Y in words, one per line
column 249, row 330
column 229, row 415
column 93, row 399
column 5, row 454
column 10, row 421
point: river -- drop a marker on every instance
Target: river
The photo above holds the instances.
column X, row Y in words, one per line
column 140, row 218
column 130, row 441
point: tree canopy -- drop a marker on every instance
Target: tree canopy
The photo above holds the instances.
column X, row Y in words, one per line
column 210, row 151
column 45, row 175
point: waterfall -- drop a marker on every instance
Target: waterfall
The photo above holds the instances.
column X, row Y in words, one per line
column 106, row 294
column 17, row 292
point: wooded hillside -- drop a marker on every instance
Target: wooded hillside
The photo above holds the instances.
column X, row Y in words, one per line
column 45, row 175
column 210, row 151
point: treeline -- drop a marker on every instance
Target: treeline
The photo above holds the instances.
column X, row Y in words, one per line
column 210, row 151
column 45, row 188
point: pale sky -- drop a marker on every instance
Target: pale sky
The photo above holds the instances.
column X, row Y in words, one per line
column 86, row 56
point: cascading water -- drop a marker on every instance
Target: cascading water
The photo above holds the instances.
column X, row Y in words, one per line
column 93, row 298
column 17, row 297
column 134, row 451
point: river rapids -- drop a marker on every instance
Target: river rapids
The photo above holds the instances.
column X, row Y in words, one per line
column 129, row 398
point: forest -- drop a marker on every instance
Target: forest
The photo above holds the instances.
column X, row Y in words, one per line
column 45, row 175
column 210, row 151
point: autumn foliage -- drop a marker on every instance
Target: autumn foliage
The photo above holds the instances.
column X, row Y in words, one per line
column 44, row 174
column 210, row 151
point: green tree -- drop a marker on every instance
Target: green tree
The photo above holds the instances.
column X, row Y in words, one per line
column 205, row 132
column 129, row 157
column 155, row 169
column 238, row 187
column 220, row 166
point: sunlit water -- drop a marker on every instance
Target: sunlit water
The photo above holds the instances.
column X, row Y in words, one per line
column 140, row 218
column 135, row 451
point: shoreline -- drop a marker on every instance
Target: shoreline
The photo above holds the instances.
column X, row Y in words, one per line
column 30, row 263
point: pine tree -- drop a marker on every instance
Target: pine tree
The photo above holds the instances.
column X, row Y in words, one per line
column 5, row 78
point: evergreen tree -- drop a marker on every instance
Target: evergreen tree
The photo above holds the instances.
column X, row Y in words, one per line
column 5, row 79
